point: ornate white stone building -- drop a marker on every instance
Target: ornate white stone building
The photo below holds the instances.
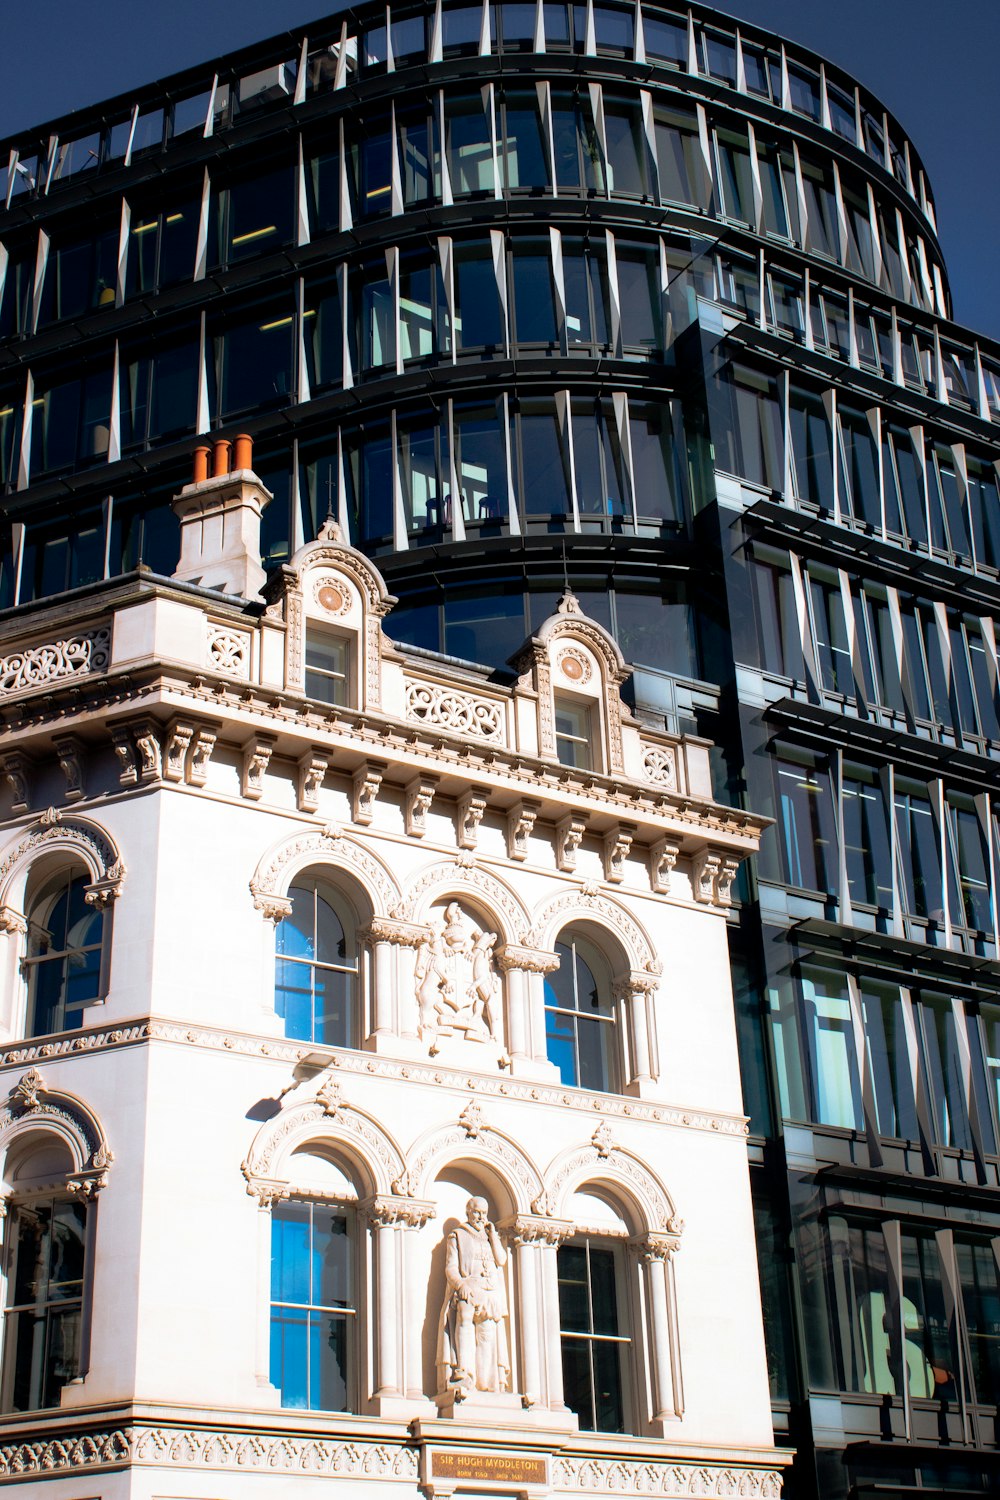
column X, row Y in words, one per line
column 314, row 948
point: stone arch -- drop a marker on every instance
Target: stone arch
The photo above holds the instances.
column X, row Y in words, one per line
column 474, row 1142
column 482, row 887
column 55, row 834
column 324, row 1120
column 599, row 910
column 294, row 599
column 570, row 623
column 602, row 1163
column 32, row 1108
column 331, row 551
column 329, row 845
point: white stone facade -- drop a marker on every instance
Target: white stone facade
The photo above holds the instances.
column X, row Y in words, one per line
column 159, row 739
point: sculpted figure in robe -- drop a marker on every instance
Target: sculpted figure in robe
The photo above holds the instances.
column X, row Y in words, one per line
column 472, row 1347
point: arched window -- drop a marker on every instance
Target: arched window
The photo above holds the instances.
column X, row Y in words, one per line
column 62, row 965
column 580, row 1017
column 316, row 974
column 594, row 1334
column 45, row 1270
column 313, row 1307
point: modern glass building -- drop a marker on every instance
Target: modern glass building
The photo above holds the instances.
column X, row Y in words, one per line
column 627, row 297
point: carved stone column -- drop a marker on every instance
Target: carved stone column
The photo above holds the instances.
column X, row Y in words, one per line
column 387, row 935
column 656, row 1252
column 525, row 970
column 535, row 1240
column 634, row 992
column 397, row 1374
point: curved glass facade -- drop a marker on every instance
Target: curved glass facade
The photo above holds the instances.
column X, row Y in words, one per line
column 629, row 296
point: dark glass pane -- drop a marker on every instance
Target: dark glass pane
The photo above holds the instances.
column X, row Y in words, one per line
column 328, row 1339
column 525, row 157
column 576, row 1381
column 574, row 1305
column 533, row 298
column 477, row 319
column 332, row 1271
column 977, row 1270
column 602, row 1290
column 609, row 1414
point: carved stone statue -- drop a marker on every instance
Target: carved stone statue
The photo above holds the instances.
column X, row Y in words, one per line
column 455, row 981
column 472, row 1346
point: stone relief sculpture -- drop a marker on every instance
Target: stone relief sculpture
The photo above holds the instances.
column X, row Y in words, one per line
column 456, row 983
column 472, row 1343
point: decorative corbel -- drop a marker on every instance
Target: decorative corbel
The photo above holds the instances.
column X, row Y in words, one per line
column 147, row 744
column 256, row 758
column 471, row 807
column 313, row 766
column 724, row 881
column 201, row 753
column 662, row 861
column 569, row 837
column 69, row 752
column 712, row 874
column 128, row 771
column 175, row 748
column 705, row 867
column 617, row 843
column 15, row 768
column 365, row 789
column 520, row 821
column 419, row 796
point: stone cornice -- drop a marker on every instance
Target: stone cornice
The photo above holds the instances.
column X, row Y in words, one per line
column 298, row 723
column 278, row 1049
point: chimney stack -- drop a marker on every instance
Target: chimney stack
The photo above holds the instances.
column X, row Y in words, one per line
column 220, row 519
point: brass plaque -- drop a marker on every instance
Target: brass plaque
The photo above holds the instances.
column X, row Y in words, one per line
column 483, row 1468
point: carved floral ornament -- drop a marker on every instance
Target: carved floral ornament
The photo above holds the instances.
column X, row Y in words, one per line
column 588, row 904
column 272, row 877
column 55, row 831
column 31, row 1106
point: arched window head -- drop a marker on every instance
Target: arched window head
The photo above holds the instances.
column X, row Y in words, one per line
column 45, row 1238
column 64, row 949
column 316, row 972
column 581, row 1030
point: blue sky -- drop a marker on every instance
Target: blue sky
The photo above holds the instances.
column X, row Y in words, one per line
column 932, row 62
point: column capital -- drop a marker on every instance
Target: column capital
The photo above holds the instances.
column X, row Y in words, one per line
column 393, row 930
column 530, row 960
column 536, row 1229
column 657, row 1244
column 634, row 982
column 385, row 1210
